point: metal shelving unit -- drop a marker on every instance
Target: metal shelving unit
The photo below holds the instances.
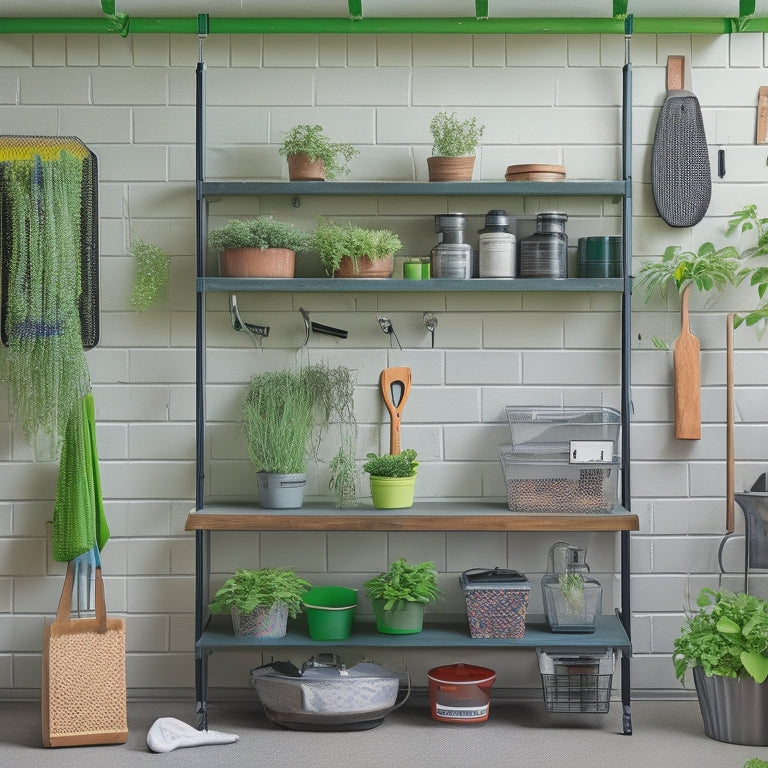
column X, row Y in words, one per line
column 613, row 631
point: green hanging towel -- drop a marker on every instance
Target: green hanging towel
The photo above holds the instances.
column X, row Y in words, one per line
column 78, row 515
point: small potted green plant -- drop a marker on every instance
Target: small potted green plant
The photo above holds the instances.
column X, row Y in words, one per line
column 260, row 247
column 347, row 250
column 726, row 645
column 312, row 156
column 393, row 478
column 400, row 594
column 261, row 601
column 454, row 143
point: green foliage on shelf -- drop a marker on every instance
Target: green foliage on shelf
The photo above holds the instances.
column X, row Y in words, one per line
column 334, row 241
column 249, row 589
column 311, row 141
column 261, row 232
column 404, row 582
column 402, row 464
column 152, row 280
column 452, row 137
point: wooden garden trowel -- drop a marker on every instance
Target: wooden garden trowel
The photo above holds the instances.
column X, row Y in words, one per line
column 395, row 386
column 687, row 378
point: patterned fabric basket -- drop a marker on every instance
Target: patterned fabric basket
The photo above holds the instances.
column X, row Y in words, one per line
column 497, row 600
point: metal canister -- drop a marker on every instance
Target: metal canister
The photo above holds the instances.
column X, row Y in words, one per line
column 545, row 253
column 451, row 257
column 497, row 247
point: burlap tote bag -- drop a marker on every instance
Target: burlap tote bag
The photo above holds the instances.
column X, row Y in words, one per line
column 84, row 691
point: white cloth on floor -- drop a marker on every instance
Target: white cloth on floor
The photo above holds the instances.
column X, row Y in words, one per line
column 168, row 733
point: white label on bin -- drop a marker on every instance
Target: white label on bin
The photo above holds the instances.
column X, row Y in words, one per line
column 461, row 713
column 591, row 451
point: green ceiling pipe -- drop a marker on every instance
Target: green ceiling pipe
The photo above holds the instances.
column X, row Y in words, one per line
column 369, row 26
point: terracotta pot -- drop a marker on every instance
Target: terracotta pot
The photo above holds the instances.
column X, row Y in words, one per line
column 450, row 168
column 365, row 267
column 257, row 262
column 301, row 168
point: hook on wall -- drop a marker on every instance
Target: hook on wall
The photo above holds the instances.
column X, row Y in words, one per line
column 430, row 323
column 256, row 332
column 386, row 325
column 312, row 327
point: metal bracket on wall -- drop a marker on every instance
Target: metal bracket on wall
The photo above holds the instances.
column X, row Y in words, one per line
column 312, row 327
column 386, row 325
column 430, row 323
column 256, row 332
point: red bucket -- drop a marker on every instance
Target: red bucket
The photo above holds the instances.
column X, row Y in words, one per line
column 460, row 693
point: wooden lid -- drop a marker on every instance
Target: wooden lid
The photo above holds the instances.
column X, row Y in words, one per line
column 535, row 168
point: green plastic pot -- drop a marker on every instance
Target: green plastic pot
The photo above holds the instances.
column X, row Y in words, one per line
column 406, row 619
column 330, row 612
column 392, row 492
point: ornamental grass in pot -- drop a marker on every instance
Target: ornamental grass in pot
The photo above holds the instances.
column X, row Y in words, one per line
column 261, row 601
column 312, row 156
column 347, row 250
column 454, row 143
column 400, row 594
column 726, row 645
column 393, row 478
column 260, row 247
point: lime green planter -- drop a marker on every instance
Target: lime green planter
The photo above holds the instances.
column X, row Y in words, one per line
column 392, row 492
column 407, row 619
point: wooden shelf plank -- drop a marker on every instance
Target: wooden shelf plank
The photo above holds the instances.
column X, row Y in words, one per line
column 609, row 634
column 422, row 516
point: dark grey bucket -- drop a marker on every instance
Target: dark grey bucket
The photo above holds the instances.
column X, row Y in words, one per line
column 281, row 491
column 734, row 711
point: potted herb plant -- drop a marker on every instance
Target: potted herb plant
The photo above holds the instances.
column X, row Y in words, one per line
column 400, row 594
column 260, row 247
column 347, row 250
column 454, row 143
column 393, row 478
column 261, row 601
column 312, row 156
column 726, row 645
column 278, row 418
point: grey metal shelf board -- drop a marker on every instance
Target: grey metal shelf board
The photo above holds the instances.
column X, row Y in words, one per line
column 471, row 188
column 434, row 285
column 609, row 634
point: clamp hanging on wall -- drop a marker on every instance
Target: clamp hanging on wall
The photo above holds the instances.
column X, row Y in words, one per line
column 312, row 327
column 256, row 332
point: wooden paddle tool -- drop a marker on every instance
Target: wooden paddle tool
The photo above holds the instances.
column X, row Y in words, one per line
column 395, row 387
column 687, row 378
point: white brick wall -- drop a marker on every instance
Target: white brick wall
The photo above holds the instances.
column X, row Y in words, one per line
column 542, row 98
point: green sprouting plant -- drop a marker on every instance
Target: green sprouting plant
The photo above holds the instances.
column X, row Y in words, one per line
column 572, row 587
column 311, row 141
column 249, row 589
column 402, row 464
column 334, row 241
column 261, row 232
column 728, row 636
column 755, row 762
column 404, row 582
column 452, row 137
column 151, row 282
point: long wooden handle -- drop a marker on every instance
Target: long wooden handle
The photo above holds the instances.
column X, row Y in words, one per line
column 687, row 379
column 400, row 375
column 729, row 433
column 675, row 73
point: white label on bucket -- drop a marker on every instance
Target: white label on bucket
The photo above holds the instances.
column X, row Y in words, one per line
column 589, row 451
column 461, row 713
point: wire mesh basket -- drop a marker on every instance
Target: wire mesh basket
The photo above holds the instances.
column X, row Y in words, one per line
column 576, row 682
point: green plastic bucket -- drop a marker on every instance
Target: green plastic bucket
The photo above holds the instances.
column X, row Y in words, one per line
column 330, row 611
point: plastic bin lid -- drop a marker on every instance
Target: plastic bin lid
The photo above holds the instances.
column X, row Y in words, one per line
column 494, row 577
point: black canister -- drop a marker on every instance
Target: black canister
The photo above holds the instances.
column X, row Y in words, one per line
column 545, row 253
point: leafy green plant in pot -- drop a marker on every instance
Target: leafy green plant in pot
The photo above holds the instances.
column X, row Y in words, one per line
column 400, row 594
column 726, row 645
column 312, row 156
column 260, row 247
column 261, row 601
column 281, row 413
column 347, row 250
column 454, row 143
column 393, row 478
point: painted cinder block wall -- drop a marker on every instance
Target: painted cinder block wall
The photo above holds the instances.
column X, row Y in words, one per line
column 543, row 99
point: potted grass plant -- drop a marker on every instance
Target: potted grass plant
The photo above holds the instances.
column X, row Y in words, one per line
column 347, row 250
column 393, row 478
column 454, row 143
column 400, row 594
column 725, row 643
column 261, row 601
column 260, row 247
column 282, row 412
column 312, row 156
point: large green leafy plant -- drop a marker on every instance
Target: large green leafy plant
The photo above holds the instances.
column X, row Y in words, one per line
column 249, row 589
column 404, row 582
column 728, row 636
